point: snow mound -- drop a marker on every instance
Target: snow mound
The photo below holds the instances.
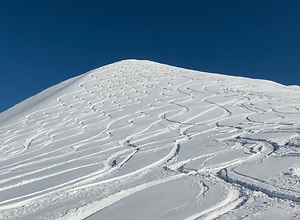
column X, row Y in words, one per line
column 295, row 171
column 142, row 140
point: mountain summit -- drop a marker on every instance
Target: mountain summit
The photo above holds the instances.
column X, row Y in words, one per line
column 143, row 140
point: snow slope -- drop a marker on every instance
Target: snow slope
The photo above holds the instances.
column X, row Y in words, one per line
column 142, row 140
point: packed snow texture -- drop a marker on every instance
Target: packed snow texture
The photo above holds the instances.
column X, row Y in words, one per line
column 143, row 140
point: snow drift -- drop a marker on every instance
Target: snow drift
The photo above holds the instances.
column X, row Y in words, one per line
column 143, row 140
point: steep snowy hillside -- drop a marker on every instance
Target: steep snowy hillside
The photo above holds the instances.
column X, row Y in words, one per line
column 142, row 140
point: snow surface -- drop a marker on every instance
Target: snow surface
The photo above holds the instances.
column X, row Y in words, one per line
column 142, row 140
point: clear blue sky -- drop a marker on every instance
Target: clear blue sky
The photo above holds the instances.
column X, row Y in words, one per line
column 45, row 42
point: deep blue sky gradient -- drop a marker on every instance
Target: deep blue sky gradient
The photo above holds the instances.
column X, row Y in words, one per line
column 45, row 42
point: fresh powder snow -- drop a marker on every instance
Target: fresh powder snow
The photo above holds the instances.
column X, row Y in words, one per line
column 143, row 140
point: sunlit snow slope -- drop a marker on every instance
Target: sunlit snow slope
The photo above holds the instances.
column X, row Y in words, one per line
column 142, row 140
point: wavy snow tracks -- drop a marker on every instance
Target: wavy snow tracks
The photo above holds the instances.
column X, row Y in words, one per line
column 142, row 140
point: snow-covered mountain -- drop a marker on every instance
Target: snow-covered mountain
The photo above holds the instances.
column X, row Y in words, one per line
column 143, row 140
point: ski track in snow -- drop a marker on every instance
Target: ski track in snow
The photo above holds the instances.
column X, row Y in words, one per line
column 119, row 139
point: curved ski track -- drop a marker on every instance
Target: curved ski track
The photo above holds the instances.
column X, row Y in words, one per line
column 142, row 140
